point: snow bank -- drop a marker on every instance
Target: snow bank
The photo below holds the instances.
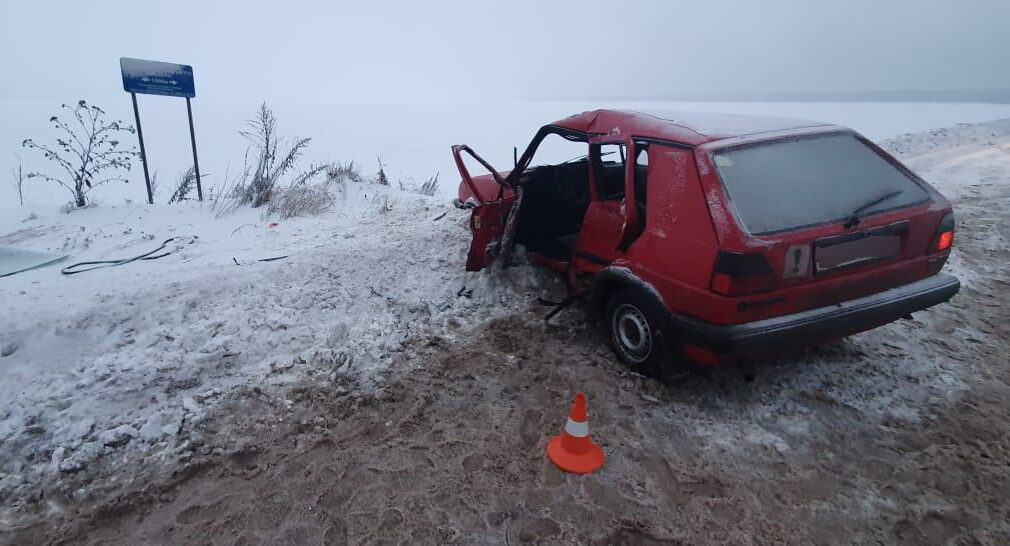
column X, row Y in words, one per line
column 912, row 144
column 124, row 359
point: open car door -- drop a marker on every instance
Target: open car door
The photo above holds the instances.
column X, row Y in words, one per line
column 495, row 207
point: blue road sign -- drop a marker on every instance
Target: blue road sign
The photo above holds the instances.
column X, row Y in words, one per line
column 157, row 78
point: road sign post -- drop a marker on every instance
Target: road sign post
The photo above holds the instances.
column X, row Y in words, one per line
column 166, row 79
column 192, row 139
column 143, row 152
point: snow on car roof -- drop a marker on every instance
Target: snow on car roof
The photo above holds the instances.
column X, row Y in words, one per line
column 680, row 126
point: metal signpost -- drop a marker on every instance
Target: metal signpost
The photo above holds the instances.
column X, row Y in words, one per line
column 157, row 78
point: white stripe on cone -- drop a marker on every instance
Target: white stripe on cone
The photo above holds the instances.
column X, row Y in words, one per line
column 577, row 429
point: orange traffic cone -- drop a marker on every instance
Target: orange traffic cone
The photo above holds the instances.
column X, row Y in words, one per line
column 572, row 450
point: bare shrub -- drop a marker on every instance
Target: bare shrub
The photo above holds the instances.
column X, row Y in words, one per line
column 155, row 186
column 304, row 195
column 258, row 185
column 430, row 186
column 348, row 173
column 312, row 172
column 70, row 206
column 300, row 200
column 18, row 172
column 185, row 185
column 380, row 177
column 88, row 152
column 229, row 198
column 313, row 191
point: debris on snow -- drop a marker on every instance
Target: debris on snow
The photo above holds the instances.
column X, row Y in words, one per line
column 190, row 405
column 118, row 436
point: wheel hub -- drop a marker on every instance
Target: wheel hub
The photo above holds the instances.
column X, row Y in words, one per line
column 631, row 333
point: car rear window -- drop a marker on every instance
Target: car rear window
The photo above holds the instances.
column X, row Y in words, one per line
column 787, row 184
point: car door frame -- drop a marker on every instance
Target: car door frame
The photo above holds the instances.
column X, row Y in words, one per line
column 490, row 218
column 588, row 258
column 493, row 221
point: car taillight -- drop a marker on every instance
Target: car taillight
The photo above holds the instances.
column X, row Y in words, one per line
column 944, row 237
column 738, row 274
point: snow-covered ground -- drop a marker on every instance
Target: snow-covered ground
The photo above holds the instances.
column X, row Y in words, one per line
column 115, row 364
column 119, row 358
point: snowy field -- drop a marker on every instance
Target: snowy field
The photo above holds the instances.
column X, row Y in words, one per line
column 120, row 366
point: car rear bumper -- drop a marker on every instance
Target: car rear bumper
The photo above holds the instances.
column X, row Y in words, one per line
column 779, row 334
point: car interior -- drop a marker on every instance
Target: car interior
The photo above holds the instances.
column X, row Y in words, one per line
column 556, row 197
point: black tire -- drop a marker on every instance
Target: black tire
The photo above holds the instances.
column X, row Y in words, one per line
column 639, row 331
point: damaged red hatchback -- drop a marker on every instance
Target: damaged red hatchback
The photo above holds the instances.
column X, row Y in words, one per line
column 712, row 237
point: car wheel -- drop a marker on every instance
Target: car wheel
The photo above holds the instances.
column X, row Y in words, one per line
column 638, row 331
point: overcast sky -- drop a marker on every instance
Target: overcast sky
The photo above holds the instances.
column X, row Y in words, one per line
column 404, row 80
column 281, row 50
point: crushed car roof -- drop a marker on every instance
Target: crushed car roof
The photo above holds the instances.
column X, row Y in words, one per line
column 687, row 127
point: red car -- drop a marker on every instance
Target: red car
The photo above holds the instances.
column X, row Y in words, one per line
column 713, row 237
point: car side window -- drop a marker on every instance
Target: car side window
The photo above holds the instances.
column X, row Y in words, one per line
column 641, row 179
column 608, row 165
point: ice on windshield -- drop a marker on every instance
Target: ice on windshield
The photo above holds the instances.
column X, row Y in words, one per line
column 786, row 184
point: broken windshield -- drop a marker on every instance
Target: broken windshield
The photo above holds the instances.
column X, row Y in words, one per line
column 555, row 149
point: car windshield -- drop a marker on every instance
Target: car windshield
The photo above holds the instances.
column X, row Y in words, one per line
column 787, row 184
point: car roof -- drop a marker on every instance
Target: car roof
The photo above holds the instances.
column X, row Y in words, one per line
column 686, row 127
